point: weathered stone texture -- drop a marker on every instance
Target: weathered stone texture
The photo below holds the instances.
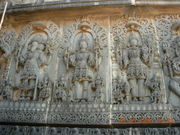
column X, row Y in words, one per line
column 105, row 66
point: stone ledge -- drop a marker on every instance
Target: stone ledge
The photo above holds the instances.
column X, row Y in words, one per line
column 87, row 113
column 36, row 130
column 32, row 5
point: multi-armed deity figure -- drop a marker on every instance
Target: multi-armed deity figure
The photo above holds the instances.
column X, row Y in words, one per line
column 34, row 58
column 83, row 62
column 135, row 62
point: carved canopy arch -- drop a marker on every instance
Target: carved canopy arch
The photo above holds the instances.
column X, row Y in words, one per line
column 144, row 27
column 48, row 30
column 93, row 30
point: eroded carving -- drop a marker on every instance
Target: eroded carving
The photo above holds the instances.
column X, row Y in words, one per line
column 45, row 89
column 121, row 90
column 97, row 86
column 154, row 84
column 61, row 93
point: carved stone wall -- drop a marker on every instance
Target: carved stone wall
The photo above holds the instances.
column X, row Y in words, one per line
column 72, row 69
column 27, row 130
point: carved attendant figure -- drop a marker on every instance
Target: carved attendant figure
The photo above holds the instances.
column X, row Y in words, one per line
column 98, row 87
column 154, row 84
column 45, row 92
column 61, row 87
column 5, row 90
column 121, row 90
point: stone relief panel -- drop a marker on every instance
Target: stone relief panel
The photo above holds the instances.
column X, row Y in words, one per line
column 8, row 39
column 37, row 44
column 62, row 75
column 137, row 75
column 84, row 58
column 168, row 29
column 81, row 94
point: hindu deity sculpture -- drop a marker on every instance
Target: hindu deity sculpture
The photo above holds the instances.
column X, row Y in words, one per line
column 135, row 64
column 34, row 58
column 81, row 61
